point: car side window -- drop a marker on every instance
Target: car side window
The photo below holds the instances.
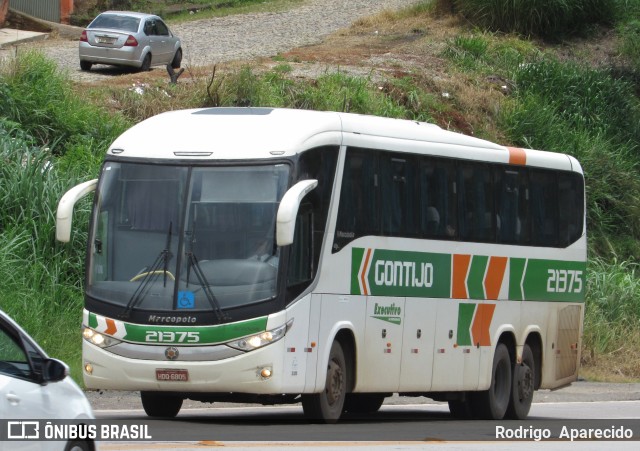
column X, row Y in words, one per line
column 149, row 27
column 161, row 28
column 13, row 358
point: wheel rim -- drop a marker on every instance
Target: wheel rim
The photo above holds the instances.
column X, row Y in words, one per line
column 335, row 382
column 525, row 382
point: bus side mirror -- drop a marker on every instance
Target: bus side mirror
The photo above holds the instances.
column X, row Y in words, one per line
column 65, row 208
column 288, row 210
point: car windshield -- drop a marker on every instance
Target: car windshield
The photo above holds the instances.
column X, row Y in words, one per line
column 169, row 238
column 116, row 22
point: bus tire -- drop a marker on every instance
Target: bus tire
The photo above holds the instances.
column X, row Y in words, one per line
column 326, row 407
column 522, row 387
column 160, row 405
column 492, row 404
column 363, row 402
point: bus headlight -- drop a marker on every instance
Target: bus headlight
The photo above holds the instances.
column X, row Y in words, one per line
column 97, row 338
column 262, row 339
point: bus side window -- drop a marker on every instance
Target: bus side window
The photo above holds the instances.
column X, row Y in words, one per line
column 512, row 222
column 398, row 195
column 437, row 199
column 358, row 213
column 544, row 208
column 475, row 202
column 570, row 189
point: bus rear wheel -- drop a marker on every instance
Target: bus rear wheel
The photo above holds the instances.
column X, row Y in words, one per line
column 160, row 405
column 523, row 386
column 492, row 404
column 326, row 407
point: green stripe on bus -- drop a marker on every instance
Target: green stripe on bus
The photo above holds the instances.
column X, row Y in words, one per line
column 475, row 280
column 220, row 333
column 465, row 316
column 357, row 254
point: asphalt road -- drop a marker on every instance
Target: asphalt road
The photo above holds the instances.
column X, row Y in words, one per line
column 395, row 427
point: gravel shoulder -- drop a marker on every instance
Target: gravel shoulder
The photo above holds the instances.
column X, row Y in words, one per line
column 581, row 391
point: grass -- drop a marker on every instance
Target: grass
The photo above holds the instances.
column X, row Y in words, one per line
column 552, row 19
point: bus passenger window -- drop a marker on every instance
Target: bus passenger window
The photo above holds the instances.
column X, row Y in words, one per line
column 437, row 199
column 358, row 213
column 544, row 208
column 512, row 225
column 475, row 202
column 398, row 196
column 570, row 189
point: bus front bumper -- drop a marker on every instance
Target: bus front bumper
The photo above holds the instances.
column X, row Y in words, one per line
column 246, row 373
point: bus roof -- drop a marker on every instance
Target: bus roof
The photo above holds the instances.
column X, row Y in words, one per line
column 260, row 133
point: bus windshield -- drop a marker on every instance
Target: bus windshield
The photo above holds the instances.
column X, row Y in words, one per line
column 185, row 239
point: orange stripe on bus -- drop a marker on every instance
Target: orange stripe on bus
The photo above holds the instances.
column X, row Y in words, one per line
column 481, row 323
column 494, row 277
column 460, row 270
column 517, row 156
column 111, row 327
column 364, row 272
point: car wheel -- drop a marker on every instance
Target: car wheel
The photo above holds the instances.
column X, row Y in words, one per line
column 85, row 65
column 160, row 405
column 146, row 63
column 177, row 59
column 77, row 445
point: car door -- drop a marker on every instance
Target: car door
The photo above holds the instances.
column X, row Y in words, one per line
column 21, row 395
column 159, row 41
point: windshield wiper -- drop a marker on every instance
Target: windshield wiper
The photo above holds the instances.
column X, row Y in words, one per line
column 162, row 261
column 192, row 261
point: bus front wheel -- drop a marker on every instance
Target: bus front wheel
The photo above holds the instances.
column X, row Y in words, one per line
column 160, row 405
column 327, row 406
column 492, row 404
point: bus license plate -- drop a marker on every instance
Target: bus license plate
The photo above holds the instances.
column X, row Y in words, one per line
column 172, row 375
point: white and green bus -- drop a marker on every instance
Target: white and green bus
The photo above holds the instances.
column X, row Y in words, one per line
column 279, row 256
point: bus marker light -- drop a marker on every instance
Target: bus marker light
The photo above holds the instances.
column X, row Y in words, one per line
column 265, row 373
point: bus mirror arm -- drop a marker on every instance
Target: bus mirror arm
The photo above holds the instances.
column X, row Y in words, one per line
column 65, row 208
column 288, row 210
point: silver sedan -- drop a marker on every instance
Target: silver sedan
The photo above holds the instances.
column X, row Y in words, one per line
column 132, row 39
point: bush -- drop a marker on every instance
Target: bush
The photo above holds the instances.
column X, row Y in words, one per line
column 545, row 18
column 596, row 118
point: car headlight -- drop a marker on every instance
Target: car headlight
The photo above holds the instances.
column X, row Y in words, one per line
column 97, row 338
column 262, row 339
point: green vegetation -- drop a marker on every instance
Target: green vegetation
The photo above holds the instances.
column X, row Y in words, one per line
column 545, row 18
column 50, row 140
